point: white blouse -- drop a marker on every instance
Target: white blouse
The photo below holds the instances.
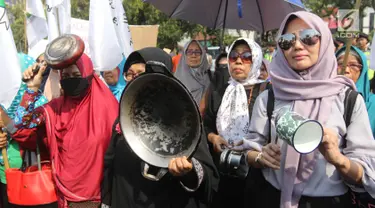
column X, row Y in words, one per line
column 325, row 180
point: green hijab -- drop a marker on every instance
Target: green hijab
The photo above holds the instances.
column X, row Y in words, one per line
column 363, row 84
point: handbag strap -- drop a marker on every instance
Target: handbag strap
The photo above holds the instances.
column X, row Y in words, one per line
column 38, row 155
column 24, row 165
column 28, row 153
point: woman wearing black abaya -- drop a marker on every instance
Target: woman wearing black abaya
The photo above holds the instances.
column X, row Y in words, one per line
column 221, row 75
column 188, row 184
column 228, row 114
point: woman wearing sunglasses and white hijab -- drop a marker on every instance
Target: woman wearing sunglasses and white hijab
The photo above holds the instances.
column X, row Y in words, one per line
column 228, row 113
column 304, row 78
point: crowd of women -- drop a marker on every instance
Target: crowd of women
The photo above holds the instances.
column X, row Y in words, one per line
column 93, row 166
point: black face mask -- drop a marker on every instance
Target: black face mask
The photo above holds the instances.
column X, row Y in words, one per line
column 75, row 86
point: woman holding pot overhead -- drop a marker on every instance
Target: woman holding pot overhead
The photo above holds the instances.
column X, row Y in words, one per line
column 228, row 114
column 304, row 79
column 188, row 183
column 76, row 129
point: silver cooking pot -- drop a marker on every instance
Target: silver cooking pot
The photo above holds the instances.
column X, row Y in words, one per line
column 159, row 119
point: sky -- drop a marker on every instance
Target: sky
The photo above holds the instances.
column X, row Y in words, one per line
column 8, row 1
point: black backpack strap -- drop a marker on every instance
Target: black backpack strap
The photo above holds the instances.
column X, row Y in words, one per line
column 263, row 87
column 349, row 103
column 270, row 107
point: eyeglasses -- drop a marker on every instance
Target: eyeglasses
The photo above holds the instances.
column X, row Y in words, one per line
column 308, row 37
column 352, row 66
column 246, row 57
column 193, row 52
column 130, row 75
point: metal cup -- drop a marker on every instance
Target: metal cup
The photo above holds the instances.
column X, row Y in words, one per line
column 303, row 134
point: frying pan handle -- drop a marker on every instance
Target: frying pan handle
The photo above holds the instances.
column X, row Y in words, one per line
column 157, row 177
column 35, row 71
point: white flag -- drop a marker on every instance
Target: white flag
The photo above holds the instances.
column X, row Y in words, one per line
column 372, row 54
column 64, row 10
column 109, row 35
column 54, row 3
column 58, row 15
column 38, row 49
column 80, row 27
column 37, row 23
column 123, row 30
column 10, row 70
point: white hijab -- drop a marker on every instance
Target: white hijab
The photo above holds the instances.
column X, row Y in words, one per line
column 233, row 119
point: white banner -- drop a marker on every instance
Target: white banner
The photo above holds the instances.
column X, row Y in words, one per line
column 36, row 25
column 143, row 35
column 38, row 49
column 108, row 34
column 122, row 27
column 10, row 70
column 59, row 17
column 81, row 28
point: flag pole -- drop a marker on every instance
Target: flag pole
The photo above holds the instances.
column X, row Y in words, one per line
column 5, row 155
column 4, row 149
column 350, row 40
column 25, row 28
column 58, row 20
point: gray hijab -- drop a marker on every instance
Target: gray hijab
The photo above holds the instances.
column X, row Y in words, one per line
column 196, row 80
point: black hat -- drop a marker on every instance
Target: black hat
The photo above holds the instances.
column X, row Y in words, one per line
column 340, row 40
column 364, row 35
column 148, row 54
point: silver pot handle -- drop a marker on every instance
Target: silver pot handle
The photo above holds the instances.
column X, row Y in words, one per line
column 159, row 175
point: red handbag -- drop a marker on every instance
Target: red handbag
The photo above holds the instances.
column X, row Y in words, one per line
column 31, row 186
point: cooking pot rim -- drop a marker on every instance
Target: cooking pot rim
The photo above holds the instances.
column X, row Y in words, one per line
column 137, row 145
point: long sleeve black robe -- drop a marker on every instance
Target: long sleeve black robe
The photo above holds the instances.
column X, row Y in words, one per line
column 124, row 186
column 231, row 190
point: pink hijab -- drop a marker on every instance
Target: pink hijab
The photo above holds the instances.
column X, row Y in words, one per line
column 313, row 93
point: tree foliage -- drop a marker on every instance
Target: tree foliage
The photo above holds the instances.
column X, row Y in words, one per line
column 323, row 8
column 327, row 8
column 17, row 18
column 80, row 9
column 171, row 31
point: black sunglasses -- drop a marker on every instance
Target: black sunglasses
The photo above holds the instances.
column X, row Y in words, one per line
column 246, row 56
column 308, row 37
